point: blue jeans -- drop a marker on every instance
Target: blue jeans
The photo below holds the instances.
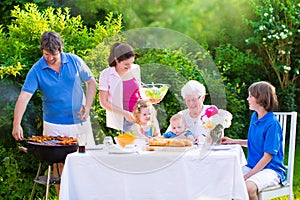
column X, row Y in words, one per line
column 127, row 125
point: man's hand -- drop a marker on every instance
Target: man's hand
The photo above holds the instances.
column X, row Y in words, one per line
column 84, row 113
column 20, row 108
column 17, row 132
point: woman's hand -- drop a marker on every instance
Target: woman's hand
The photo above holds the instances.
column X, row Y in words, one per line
column 129, row 116
column 155, row 101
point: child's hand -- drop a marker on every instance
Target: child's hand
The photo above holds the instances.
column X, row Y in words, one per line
column 191, row 138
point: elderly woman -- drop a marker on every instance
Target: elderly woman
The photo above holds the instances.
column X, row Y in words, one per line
column 193, row 93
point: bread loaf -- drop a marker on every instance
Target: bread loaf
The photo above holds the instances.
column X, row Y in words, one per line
column 187, row 142
column 176, row 143
column 158, row 142
column 173, row 142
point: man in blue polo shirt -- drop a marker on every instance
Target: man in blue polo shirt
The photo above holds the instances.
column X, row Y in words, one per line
column 59, row 77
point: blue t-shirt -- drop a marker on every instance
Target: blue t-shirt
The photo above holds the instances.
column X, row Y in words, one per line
column 265, row 135
column 62, row 93
column 170, row 134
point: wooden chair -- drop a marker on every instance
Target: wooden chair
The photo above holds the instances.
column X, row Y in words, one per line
column 287, row 190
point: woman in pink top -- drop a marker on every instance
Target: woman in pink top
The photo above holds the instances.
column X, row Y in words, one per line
column 119, row 87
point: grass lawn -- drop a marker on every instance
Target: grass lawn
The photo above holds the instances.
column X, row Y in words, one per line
column 296, row 176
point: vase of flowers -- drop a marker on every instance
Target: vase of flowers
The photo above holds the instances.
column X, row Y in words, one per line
column 216, row 120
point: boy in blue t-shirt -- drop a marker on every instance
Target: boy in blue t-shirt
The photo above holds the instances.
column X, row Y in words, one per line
column 265, row 151
column 178, row 128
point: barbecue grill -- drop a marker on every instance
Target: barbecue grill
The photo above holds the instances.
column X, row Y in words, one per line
column 48, row 152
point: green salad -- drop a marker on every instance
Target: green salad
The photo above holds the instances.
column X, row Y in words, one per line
column 155, row 92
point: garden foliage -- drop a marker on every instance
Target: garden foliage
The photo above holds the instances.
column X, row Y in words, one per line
column 276, row 32
column 19, row 50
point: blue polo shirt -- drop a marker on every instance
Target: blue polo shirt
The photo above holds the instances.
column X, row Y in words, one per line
column 62, row 93
column 265, row 135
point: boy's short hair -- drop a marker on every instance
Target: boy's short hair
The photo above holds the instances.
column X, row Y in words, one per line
column 265, row 95
column 178, row 117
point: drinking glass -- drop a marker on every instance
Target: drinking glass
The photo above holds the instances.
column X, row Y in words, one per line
column 82, row 141
column 139, row 143
column 108, row 141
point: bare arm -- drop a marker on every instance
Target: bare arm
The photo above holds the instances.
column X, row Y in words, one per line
column 155, row 132
column 103, row 98
column 260, row 165
column 137, row 130
column 227, row 140
column 19, row 111
column 90, row 95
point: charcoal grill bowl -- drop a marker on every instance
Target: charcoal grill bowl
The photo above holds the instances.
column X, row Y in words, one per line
column 50, row 153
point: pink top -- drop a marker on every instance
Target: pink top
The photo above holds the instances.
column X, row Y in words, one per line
column 131, row 94
column 110, row 80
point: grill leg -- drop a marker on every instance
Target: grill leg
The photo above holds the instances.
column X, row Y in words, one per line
column 48, row 181
column 58, row 167
column 34, row 184
column 57, row 174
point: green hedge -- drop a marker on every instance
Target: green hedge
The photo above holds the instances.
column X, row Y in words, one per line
column 19, row 50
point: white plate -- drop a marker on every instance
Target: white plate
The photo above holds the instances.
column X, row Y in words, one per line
column 122, row 152
column 169, row 148
column 220, row 147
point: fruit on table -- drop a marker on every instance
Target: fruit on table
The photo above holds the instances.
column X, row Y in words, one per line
column 125, row 139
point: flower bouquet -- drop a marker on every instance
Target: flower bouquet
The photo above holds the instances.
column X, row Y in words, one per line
column 216, row 120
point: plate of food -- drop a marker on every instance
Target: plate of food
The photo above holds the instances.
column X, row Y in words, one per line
column 169, row 144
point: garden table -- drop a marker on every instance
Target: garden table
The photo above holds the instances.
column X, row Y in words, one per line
column 192, row 174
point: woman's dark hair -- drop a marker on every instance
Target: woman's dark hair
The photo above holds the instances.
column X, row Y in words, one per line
column 51, row 41
column 120, row 51
column 265, row 95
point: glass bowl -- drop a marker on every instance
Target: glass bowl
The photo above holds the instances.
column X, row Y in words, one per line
column 123, row 142
column 155, row 92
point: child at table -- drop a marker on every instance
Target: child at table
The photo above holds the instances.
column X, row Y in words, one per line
column 143, row 112
column 265, row 151
column 178, row 128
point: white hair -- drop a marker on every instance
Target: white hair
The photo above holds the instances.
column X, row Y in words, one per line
column 192, row 87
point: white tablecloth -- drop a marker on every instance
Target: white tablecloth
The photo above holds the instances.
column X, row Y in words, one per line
column 190, row 175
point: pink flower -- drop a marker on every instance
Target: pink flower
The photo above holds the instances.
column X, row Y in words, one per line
column 214, row 116
column 213, row 110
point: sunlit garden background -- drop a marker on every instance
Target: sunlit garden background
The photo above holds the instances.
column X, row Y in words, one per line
column 248, row 40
